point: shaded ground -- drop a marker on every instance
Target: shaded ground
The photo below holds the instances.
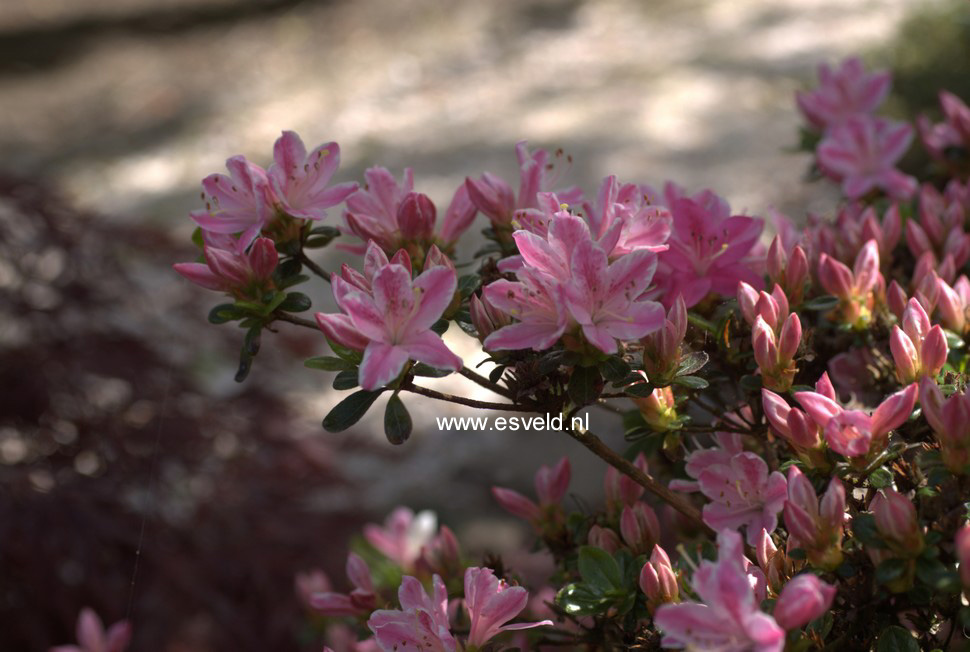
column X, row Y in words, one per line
column 118, row 407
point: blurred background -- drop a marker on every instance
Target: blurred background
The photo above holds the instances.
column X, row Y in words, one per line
column 136, row 476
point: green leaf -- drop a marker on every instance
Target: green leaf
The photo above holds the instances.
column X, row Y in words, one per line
column 350, row 410
column 225, row 312
column 197, row 238
column 864, row 529
column 290, row 281
column 751, row 383
column 615, row 368
column 880, row 478
column 891, row 569
column 397, row 421
column 953, row 340
column 700, row 322
column 585, row 385
column 328, row 363
column 692, row 363
column 468, row 284
column 822, row 303
column 344, row 353
column 598, row 568
column 896, row 639
column 440, row 326
column 638, row 390
column 295, row 302
column 935, row 574
column 693, row 382
column 582, row 599
column 495, row 374
column 422, row 369
column 245, row 366
column 346, row 379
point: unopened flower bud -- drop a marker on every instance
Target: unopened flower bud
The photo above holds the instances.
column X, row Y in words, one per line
column 639, row 527
column 804, row 598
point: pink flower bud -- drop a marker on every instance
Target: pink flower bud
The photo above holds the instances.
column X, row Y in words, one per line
column 486, row 317
column 604, row 538
column 436, row 258
column 765, row 549
column 803, row 430
column 263, row 259
column 658, row 580
column 934, row 351
column 791, row 337
column 310, row 582
column 765, row 348
column 517, row 504
column 639, row 527
column 776, row 261
column 796, row 275
column 904, row 355
column 803, row 599
column 767, row 308
column 552, row 483
column 832, row 505
column 747, row 300
column 917, row 239
column 896, row 299
column 621, row 490
column 953, row 311
column 776, row 411
column 894, row 411
column 416, row 217
column 896, row 520
column 835, row 277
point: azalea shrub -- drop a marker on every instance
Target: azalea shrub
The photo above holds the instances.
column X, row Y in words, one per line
column 792, row 390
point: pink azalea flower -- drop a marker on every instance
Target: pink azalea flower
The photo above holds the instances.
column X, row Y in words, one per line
column 537, row 302
column 243, row 202
column 727, row 445
column 244, row 275
column 728, row 618
column 854, row 433
column 551, row 485
column 605, row 299
column 92, row 637
column 422, row 621
column 804, row 598
column 862, row 155
column 939, row 230
column 707, row 251
column 393, row 324
column 843, row 93
column 310, row 582
column 491, row 603
column 644, row 225
column 496, row 199
column 300, row 180
column 361, row 600
column 394, row 216
column 742, row 493
column 403, row 535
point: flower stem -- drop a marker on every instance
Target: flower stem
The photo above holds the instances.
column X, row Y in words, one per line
column 624, row 466
column 484, row 382
column 461, row 400
column 316, row 269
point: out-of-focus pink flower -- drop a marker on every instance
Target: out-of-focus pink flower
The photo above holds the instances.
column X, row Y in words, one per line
column 393, row 324
column 728, row 618
column 309, row 582
column 954, row 132
column 240, row 273
column 92, row 636
column 854, row 433
column 639, row 527
column 537, row 173
column 896, row 521
column 803, row 599
column 551, row 485
column 939, row 230
column 815, row 525
column 658, row 580
column 954, row 304
column 621, row 490
column 950, row 420
column 918, row 349
column 403, row 535
column 843, row 93
column 421, row 622
column 491, row 603
column 854, row 288
column 963, row 554
column 708, row 250
column 862, row 154
column 441, row 555
column 300, row 180
column 360, row 601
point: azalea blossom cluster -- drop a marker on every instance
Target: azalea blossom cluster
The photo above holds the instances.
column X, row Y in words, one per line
column 791, row 391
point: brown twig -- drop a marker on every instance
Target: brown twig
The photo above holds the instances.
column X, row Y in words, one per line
column 409, row 386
